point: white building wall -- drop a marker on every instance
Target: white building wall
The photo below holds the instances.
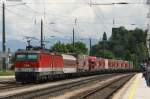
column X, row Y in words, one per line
column 7, row 56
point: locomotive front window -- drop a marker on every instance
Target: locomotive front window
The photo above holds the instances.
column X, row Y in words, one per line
column 21, row 57
column 32, row 57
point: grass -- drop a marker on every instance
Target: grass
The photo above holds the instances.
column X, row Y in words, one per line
column 7, row 73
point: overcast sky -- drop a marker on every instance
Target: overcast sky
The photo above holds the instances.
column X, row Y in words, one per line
column 59, row 16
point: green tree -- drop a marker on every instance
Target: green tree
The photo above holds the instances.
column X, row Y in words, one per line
column 59, row 48
column 104, row 37
column 78, row 48
column 124, row 44
column 106, row 53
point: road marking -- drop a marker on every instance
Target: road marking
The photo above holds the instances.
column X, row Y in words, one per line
column 134, row 87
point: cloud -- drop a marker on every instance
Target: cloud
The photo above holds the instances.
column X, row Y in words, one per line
column 59, row 16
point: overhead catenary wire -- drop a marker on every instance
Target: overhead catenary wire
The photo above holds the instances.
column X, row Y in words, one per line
column 20, row 16
column 59, row 16
column 59, row 3
column 61, row 22
column 83, row 3
column 17, row 13
column 64, row 17
column 101, row 19
column 31, row 9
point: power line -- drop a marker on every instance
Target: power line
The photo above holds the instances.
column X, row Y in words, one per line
column 64, row 16
column 31, row 9
column 101, row 19
column 60, row 3
column 83, row 3
column 14, row 12
column 117, row 3
column 20, row 15
column 17, row 14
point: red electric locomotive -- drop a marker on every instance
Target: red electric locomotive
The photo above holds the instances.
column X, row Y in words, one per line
column 31, row 65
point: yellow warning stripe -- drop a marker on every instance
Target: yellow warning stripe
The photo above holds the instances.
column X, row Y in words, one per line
column 134, row 87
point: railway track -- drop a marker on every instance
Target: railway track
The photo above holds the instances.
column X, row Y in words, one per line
column 104, row 92
column 58, row 90
column 6, row 85
column 12, row 85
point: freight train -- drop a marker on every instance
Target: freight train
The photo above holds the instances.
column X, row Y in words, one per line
column 38, row 65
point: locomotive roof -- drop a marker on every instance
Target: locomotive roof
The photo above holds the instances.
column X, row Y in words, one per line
column 70, row 57
column 31, row 51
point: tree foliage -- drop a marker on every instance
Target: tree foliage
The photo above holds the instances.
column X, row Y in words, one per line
column 123, row 44
column 79, row 48
column 60, row 48
column 104, row 37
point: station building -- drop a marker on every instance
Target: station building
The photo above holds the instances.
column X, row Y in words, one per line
column 8, row 62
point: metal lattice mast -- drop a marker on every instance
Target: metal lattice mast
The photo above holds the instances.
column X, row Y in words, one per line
column 148, row 32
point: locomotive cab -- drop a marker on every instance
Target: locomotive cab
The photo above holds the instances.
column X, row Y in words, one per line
column 26, row 66
column 26, row 60
column 32, row 65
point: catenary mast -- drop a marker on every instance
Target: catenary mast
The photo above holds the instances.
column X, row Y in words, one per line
column 148, row 33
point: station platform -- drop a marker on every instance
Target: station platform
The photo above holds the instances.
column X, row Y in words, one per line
column 136, row 88
column 7, row 76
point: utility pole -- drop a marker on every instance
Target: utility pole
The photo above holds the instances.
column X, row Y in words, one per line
column 3, row 34
column 3, row 37
column 103, row 48
column 104, row 40
column 113, row 23
column 73, row 34
column 90, row 53
column 41, row 33
column 73, row 37
column 148, row 33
